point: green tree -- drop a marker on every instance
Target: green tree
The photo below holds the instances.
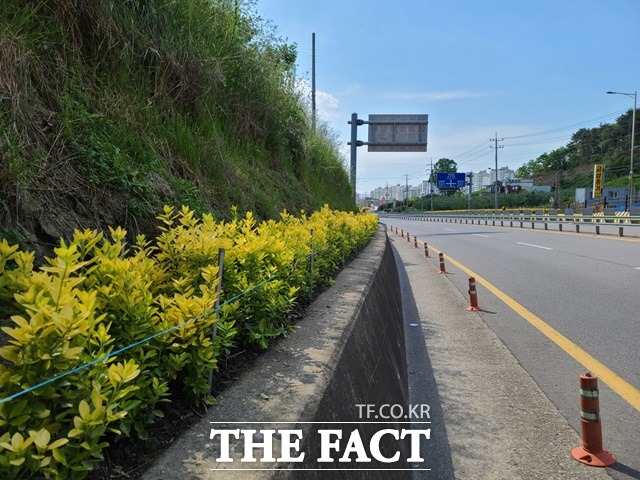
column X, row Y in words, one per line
column 444, row 165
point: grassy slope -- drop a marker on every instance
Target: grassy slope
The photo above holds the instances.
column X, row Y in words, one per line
column 109, row 109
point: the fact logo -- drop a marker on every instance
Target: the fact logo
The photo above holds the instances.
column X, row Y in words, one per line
column 341, row 445
column 388, row 436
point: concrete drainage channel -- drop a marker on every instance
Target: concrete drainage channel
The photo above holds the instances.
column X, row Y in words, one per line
column 349, row 351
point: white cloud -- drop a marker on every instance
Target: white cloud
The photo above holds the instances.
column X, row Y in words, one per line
column 327, row 105
column 435, row 96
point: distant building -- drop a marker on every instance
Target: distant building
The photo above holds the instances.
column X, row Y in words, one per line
column 612, row 195
column 398, row 192
column 527, row 185
column 484, row 178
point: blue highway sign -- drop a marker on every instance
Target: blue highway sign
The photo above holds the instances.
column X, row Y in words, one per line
column 451, row 180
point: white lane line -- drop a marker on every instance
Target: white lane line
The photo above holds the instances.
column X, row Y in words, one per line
column 535, row 246
column 480, row 235
column 450, row 229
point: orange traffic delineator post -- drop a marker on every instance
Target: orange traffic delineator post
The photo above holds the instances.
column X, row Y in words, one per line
column 442, row 269
column 591, row 451
column 473, row 296
column 426, row 250
column 415, row 242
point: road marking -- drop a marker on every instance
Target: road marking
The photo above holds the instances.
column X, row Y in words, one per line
column 480, row 235
column 450, row 229
column 618, row 384
column 534, row 246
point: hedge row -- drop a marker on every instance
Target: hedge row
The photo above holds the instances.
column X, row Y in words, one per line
column 98, row 295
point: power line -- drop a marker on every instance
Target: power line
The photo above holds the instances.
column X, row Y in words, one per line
column 582, row 123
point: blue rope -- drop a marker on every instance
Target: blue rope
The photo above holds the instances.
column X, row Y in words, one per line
column 144, row 340
column 133, row 345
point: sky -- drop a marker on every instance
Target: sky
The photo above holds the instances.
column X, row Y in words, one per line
column 531, row 72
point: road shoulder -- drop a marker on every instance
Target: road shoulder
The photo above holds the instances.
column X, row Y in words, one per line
column 497, row 422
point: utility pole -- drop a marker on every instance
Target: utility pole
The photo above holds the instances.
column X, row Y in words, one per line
column 313, row 81
column 406, row 179
column 470, row 186
column 558, row 197
column 431, row 184
column 496, row 140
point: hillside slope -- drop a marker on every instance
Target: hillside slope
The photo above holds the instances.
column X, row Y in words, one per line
column 111, row 108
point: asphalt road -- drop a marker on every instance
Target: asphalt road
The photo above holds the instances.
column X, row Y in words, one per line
column 584, row 286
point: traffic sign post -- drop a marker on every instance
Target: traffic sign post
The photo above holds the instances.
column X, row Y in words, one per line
column 388, row 133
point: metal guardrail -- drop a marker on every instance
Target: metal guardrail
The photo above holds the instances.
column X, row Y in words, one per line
column 622, row 217
column 621, row 220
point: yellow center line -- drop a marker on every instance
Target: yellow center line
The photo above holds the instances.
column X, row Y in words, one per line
column 623, row 388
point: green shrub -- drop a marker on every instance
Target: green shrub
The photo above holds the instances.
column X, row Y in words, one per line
column 151, row 306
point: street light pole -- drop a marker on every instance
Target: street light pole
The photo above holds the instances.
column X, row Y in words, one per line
column 633, row 95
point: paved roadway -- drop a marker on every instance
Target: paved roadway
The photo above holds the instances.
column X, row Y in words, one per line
column 584, row 286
